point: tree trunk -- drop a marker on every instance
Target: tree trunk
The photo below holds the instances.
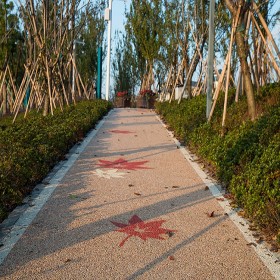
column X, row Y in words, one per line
column 246, row 75
column 4, row 99
column 242, row 51
column 46, row 107
column 194, row 66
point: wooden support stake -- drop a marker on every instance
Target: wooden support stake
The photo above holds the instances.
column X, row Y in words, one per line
column 275, row 65
column 264, row 24
column 227, row 61
column 234, row 24
column 177, row 77
column 63, row 88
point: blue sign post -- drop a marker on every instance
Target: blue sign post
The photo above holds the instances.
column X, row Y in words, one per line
column 26, row 98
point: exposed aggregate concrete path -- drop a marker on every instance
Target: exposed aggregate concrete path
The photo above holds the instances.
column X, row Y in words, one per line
column 131, row 207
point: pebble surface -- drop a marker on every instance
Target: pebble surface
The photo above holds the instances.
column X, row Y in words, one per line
column 132, row 207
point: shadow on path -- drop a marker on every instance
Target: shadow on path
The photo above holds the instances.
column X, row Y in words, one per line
column 41, row 233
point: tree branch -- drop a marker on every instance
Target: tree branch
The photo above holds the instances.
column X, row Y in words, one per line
column 230, row 6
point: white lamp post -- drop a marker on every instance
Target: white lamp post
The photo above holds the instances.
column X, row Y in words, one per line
column 210, row 57
column 108, row 17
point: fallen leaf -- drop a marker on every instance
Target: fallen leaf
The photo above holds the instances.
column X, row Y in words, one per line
column 175, row 187
column 121, row 131
column 206, row 188
column 228, row 196
column 73, row 196
column 260, row 240
column 137, row 193
column 130, row 185
column 241, row 213
column 233, row 204
column 68, row 260
column 274, row 249
column 172, row 258
column 220, row 199
column 253, row 228
column 170, row 233
column 252, row 244
column 211, row 214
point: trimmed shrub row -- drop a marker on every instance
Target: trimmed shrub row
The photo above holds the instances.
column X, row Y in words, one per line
column 30, row 147
column 245, row 157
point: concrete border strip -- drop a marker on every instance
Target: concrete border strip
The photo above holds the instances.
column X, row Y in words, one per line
column 270, row 259
column 26, row 218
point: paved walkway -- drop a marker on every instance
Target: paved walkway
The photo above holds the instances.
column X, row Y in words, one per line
column 130, row 207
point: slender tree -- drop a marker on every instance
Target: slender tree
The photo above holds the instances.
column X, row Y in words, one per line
column 242, row 49
column 199, row 15
column 91, row 34
column 145, row 20
column 11, row 50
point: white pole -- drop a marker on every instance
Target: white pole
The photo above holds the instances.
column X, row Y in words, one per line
column 210, row 57
column 73, row 68
column 74, row 61
column 109, row 51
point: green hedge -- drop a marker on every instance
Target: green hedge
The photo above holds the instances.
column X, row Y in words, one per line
column 30, row 147
column 246, row 158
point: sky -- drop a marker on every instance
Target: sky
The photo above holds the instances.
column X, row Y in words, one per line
column 118, row 17
column 118, row 21
column 118, row 8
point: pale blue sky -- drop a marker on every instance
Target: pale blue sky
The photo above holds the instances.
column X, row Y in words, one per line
column 119, row 16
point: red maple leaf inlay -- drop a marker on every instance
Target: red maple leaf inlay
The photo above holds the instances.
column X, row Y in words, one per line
column 121, row 131
column 122, row 163
column 144, row 230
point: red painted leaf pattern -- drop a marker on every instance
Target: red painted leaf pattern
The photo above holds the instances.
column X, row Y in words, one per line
column 144, row 230
column 122, row 163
